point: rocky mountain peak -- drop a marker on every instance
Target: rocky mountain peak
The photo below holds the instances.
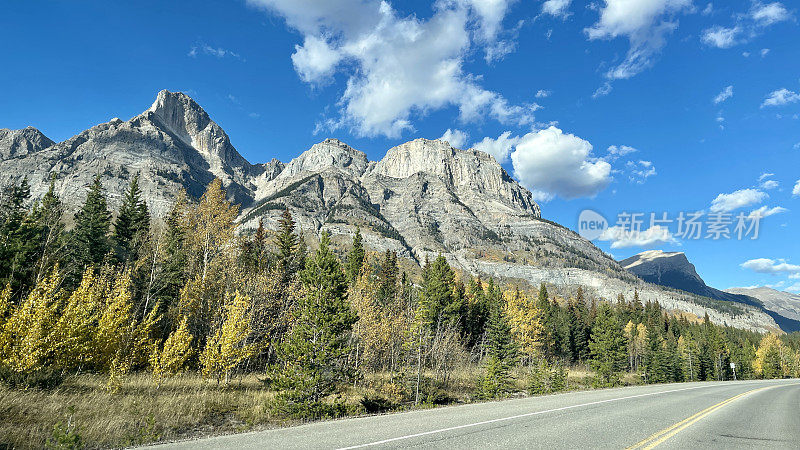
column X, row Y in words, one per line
column 330, row 153
column 658, row 264
column 16, row 143
column 182, row 117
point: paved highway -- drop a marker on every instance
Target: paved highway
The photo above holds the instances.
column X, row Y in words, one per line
column 743, row 414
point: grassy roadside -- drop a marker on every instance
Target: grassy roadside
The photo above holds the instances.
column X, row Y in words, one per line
column 182, row 407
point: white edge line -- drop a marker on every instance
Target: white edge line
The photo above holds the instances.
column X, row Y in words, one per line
column 535, row 413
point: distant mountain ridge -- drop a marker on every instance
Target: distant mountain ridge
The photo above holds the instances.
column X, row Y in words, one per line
column 673, row 269
column 423, row 198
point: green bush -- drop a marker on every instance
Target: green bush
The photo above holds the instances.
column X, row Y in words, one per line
column 46, row 378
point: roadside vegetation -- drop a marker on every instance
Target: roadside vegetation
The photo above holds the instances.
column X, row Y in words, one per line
column 123, row 330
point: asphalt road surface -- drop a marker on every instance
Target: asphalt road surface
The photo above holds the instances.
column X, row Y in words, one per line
column 743, row 414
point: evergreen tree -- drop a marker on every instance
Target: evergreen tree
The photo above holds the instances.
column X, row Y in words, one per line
column 291, row 248
column 132, row 224
column 501, row 354
column 48, row 216
column 387, row 278
column 607, row 346
column 315, row 352
column 18, row 239
column 438, row 283
column 90, row 236
column 355, row 259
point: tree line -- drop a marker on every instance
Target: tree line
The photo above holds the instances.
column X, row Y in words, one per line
column 117, row 293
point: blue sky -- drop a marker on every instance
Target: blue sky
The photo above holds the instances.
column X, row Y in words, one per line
column 708, row 95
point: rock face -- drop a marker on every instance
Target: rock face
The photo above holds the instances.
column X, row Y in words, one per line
column 422, row 199
column 673, row 269
column 781, row 302
column 667, row 269
column 20, row 143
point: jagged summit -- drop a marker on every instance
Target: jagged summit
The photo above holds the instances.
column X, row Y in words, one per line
column 16, row 143
column 330, row 153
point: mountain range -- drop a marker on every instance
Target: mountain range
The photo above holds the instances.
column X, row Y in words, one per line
column 673, row 269
column 423, row 198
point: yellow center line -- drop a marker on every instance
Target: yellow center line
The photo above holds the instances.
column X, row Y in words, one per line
column 661, row 436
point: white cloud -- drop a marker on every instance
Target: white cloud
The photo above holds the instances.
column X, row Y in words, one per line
column 794, row 288
column 500, row 148
column 557, row 8
column 747, row 26
column 765, row 175
column 640, row 171
column 768, row 14
column 625, row 238
column 615, row 151
column 796, row 190
column 780, row 97
column 724, row 95
column 603, row 90
column 645, row 23
column 722, row 37
column 550, row 163
column 315, row 60
column 764, row 52
column 399, row 67
column 543, row 93
column 217, row 52
column 766, row 265
column 769, row 184
column 708, row 10
column 766, row 211
column 456, row 138
column 724, row 203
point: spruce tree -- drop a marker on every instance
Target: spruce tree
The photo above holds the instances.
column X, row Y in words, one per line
column 315, row 352
column 607, row 346
column 387, row 278
column 48, row 216
column 90, row 236
column 355, row 259
column 501, row 353
column 132, row 224
column 438, row 282
column 291, row 248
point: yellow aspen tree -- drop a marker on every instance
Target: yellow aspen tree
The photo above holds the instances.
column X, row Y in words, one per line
column 27, row 336
column 211, row 228
column 114, row 330
column 77, row 323
column 769, row 357
column 227, row 346
column 177, row 349
column 526, row 323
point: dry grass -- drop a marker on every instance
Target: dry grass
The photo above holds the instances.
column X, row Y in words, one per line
column 188, row 406
column 139, row 413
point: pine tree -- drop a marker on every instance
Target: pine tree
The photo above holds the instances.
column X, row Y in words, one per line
column 48, row 215
column 355, row 259
column 90, row 237
column 291, row 248
column 436, row 298
column 501, row 354
column 315, row 352
column 607, row 346
column 18, row 238
column 132, row 224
